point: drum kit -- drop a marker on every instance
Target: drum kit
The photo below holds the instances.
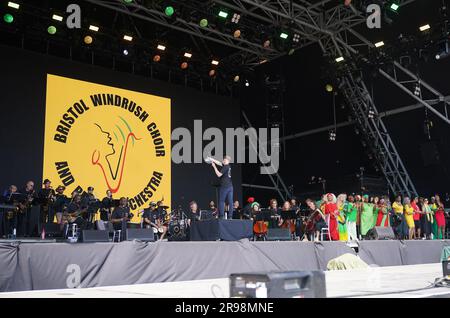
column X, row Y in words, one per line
column 177, row 225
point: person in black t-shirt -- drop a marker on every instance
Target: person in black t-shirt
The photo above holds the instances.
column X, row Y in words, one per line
column 121, row 216
column 153, row 219
column 226, row 185
column 107, row 206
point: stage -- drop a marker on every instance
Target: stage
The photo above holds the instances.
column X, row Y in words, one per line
column 408, row 281
column 39, row 266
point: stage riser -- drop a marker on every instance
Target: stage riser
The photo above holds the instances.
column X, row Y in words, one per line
column 60, row 265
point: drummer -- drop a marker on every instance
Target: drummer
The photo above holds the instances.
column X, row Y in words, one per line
column 154, row 218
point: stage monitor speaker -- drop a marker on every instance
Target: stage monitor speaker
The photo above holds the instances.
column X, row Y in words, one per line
column 92, row 236
column 446, row 269
column 292, row 284
column 278, row 235
column 381, row 233
column 104, row 226
column 51, row 230
column 146, row 235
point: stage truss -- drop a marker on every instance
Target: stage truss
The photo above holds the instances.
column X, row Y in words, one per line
column 331, row 25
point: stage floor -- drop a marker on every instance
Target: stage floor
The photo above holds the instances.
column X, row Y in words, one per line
column 390, row 281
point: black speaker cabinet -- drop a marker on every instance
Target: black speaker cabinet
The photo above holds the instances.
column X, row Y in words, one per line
column 278, row 235
column 381, row 233
column 293, row 284
column 146, row 235
column 92, row 236
column 51, row 230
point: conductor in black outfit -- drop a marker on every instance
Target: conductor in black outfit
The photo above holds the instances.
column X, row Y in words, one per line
column 226, row 185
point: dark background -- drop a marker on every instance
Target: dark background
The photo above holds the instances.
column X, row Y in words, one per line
column 22, row 105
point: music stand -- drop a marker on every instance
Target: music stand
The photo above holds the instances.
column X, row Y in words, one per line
column 289, row 215
column 265, row 215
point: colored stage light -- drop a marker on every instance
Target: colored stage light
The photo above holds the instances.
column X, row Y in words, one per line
column 223, row 14
column 329, row 88
column 215, row 62
column 284, row 35
column 161, row 47
column 237, row 34
column 128, row 1
column 424, row 27
column 266, row 44
column 203, row 23
column 379, row 44
column 236, row 78
column 93, row 28
column 88, row 39
column 57, row 17
column 51, row 29
column 8, row 18
column 212, row 73
column 184, row 65
column 188, row 55
column 13, row 5
column 128, row 38
column 157, row 58
column 169, row 11
column 236, row 18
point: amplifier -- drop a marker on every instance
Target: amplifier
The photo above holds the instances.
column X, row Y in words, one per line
column 292, row 284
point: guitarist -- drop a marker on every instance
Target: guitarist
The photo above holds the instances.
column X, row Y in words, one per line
column 24, row 218
column 75, row 211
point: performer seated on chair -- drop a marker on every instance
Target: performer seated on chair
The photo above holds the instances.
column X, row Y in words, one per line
column 75, row 211
column 153, row 219
column 287, row 224
column 316, row 220
column 193, row 214
column 259, row 227
column 121, row 216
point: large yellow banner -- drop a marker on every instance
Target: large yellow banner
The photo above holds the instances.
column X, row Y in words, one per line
column 107, row 138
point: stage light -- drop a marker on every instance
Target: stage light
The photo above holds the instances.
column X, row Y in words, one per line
column 340, row 59
column 347, row 3
column 332, row 135
column 204, row 23
column 394, row 6
column 51, row 29
column 93, row 28
column 424, row 27
column 128, row 1
column 88, row 39
column 296, row 38
column 266, row 44
column 291, row 51
column 223, row 14
column 57, row 17
column 417, row 90
column 156, row 58
column 125, row 52
column 237, row 34
column 188, row 55
column 161, row 47
column 8, row 18
column 329, row 88
column 284, row 35
column 444, row 51
column 379, row 44
column 212, row 73
column 236, row 78
column 169, row 11
column 247, row 83
column 13, row 5
column 236, row 18
column 184, row 65
column 128, row 38
column 371, row 113
column 215, row 62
